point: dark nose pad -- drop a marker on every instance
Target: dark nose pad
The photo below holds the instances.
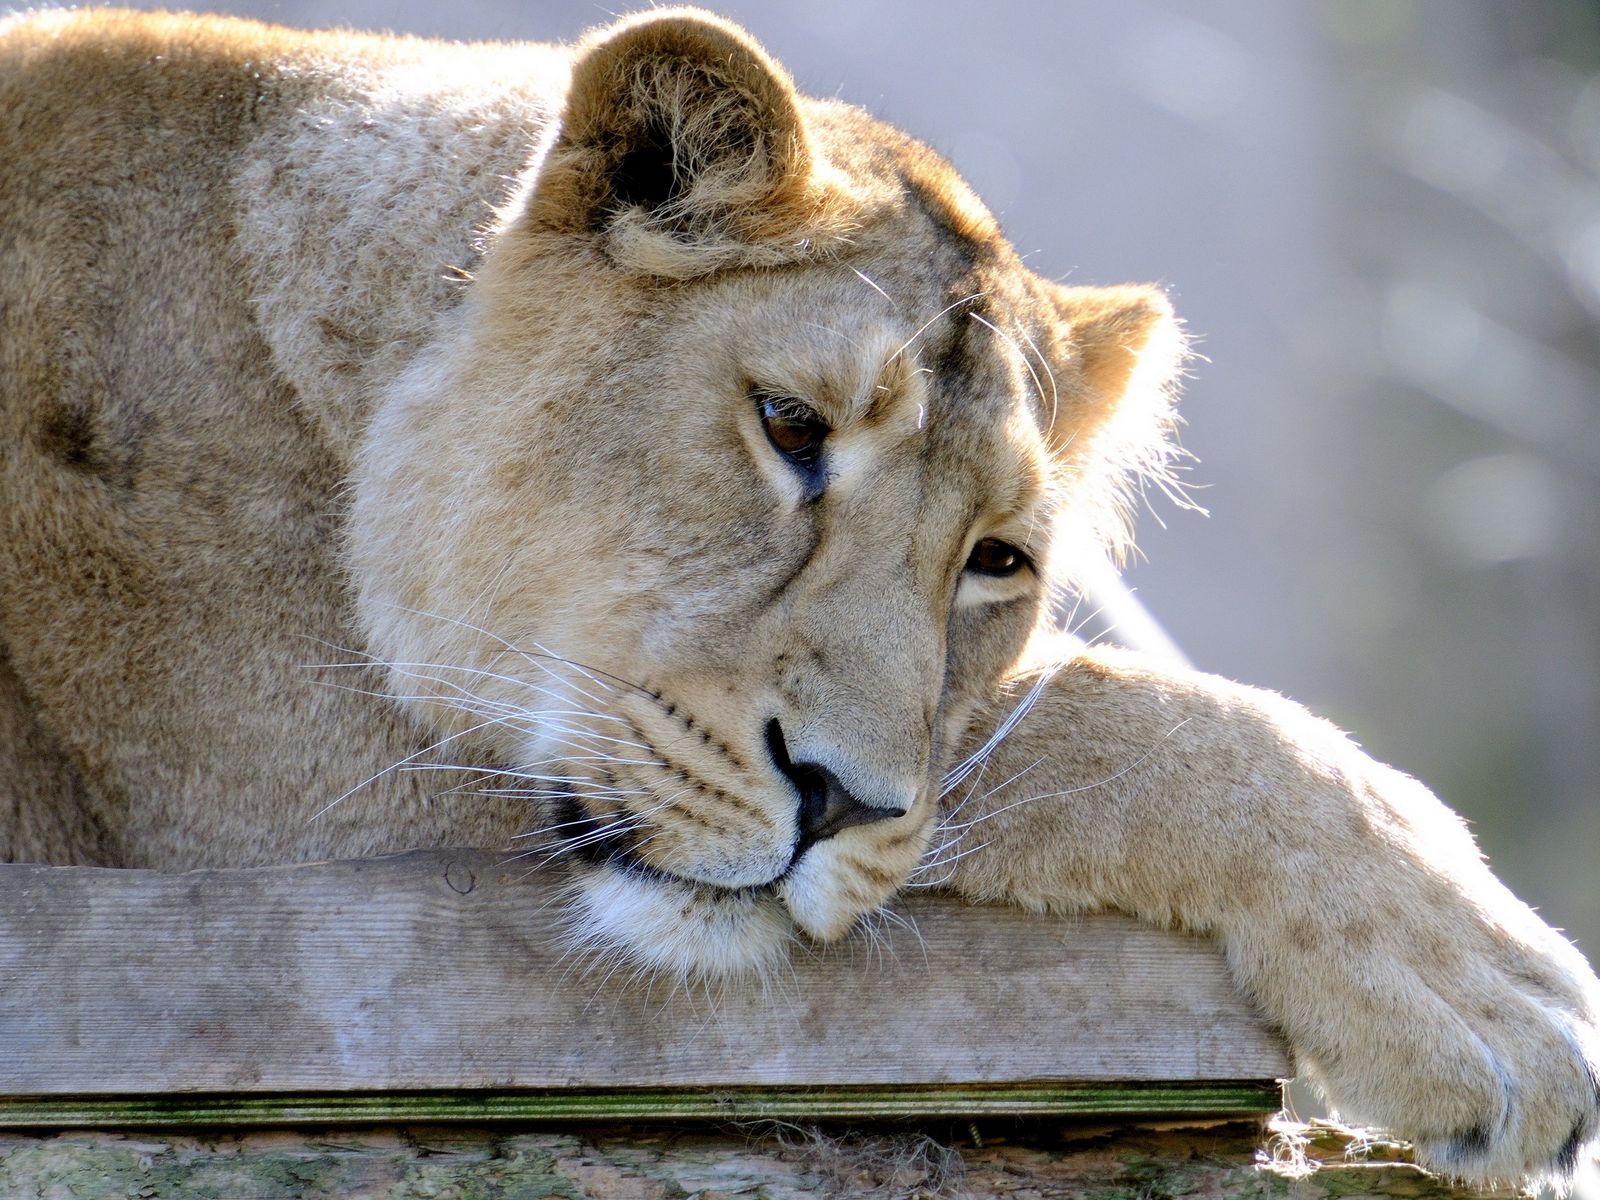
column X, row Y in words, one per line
column 826, row 805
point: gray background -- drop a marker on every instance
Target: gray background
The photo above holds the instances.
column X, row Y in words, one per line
column 1382, row 220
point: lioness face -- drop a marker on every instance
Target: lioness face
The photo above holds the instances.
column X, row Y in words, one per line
column 740, row 477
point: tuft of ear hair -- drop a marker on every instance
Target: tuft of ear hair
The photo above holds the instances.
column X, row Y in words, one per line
column 1121, row 351
column 682, row 147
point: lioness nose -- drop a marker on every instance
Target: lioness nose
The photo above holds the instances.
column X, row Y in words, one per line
column 826, row 805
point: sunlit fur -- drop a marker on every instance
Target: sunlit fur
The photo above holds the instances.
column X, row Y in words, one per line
column 382, row 468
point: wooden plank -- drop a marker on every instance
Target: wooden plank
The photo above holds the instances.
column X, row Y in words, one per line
column 441, row 971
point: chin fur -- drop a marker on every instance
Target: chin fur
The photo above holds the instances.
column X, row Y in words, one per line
column 812, row 894
column 676, row 928
column 826, row 898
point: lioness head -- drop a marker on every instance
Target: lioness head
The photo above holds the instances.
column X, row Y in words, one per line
column 745, row 471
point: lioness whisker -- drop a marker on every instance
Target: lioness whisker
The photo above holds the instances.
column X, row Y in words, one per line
column 550, row 656
column 374, row 660
column 1085, row 787
column 534, row 776
column 415, row 671
column 507, row 714
column 838, row 333
column 1049, row 373
column 1038, row 387
column 1067, row 620
column 559, row 786
column 861, row 275
column 392, row 767
column 917, row 882
column 945, row 821
column 624, row 824
column 554, row 786
column 871, row 931
column 947, row 844
column 589, row 672
column 484, row 704
column 884, row 916
column 547, row 769
column 547, row 829
column 530, row 721
column 931, row 322
column 527, row 720
column 541, row 661
column 420, row 671
column 549, row 854
column 1013, row 718
column 498, row 715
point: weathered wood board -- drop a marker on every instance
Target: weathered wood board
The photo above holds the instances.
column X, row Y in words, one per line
column 442, row 974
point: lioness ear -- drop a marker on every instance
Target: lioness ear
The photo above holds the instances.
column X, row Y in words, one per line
column 682, row 146
column 1120, row 351
column 1125, row 346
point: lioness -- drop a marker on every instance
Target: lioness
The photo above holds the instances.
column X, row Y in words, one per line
column 689, row 464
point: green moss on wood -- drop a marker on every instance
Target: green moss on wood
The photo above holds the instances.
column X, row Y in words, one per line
column 663, row 1163
column 844, row 1103
column 89, row 1168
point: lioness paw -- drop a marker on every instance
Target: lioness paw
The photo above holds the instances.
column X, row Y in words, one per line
column 1539, row 1029
column 1540, row 1097
column 1478, row 1039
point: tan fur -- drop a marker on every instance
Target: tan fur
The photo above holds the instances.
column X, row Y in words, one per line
column 441, row 367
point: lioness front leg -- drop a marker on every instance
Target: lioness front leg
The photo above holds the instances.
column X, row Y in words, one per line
column 1354, row 907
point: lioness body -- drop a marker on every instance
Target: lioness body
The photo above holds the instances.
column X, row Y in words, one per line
column 684, row 464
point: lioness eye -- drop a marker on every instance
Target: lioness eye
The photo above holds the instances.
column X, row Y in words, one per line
column 793, row 428
column 991, row 556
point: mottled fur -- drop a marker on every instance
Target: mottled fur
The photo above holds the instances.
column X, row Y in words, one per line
column 442, row 365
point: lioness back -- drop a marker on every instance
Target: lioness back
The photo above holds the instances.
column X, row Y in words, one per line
column 168, row 550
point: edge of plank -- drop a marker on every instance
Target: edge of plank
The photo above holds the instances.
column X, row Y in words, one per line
column 1241, row 1098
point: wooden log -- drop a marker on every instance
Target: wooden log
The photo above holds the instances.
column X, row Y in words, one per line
column 431, row 986
column 670, row 1164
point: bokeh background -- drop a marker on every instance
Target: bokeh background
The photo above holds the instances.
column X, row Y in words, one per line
column 1381, row 218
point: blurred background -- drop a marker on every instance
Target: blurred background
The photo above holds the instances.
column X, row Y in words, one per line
column 1381, row 218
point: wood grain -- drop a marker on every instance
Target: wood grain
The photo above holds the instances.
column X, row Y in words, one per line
column 442, row 970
